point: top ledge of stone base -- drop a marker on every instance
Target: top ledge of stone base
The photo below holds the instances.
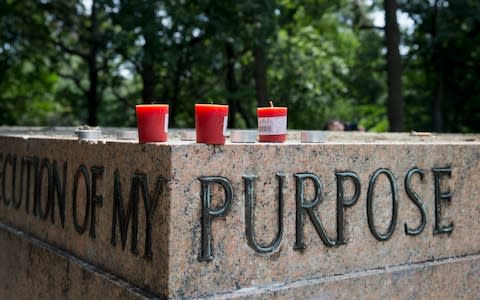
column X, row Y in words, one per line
column 184, row 136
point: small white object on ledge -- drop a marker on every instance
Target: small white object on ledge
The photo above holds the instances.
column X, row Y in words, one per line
column 312, row 136
column 188, row 135
column 243, row 136
column 90, row 135
column 127, row 135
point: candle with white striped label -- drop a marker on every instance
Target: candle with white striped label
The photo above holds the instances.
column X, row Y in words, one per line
column 272, row 124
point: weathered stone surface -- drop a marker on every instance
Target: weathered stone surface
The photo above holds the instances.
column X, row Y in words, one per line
column 236, row 265
column 446, row 279
column 31, row 269
column 374, row 254
column 116, row 160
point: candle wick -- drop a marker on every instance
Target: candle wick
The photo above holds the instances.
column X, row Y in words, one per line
column 271, row 103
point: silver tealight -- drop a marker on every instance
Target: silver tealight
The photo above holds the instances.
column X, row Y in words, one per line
column 88, row 134
column 243, row 136
column 127, row 135
column 312, row 136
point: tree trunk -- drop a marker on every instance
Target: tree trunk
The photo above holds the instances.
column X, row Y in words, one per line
column 176, row 90
column 260, row 73
column 231, row 84
column 92, row 91
column 439, row 77
column 394, row 68
column 148, row 80
column 93, row 101
column 437, row 104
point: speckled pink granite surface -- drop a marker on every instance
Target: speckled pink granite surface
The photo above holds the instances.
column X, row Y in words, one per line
column 237, row 270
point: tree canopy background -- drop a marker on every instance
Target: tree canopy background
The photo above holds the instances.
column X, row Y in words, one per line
column 91, row 61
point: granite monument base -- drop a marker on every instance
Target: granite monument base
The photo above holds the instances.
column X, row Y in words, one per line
column 357, row 216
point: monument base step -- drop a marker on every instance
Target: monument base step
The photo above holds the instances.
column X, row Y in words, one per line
column 451, row 278
column 33, row 269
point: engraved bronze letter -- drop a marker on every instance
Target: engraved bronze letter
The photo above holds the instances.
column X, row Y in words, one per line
column 124, row 217
column 309, row 207
column 342, row 203
column 27, row 162
column 60, row 189
column 12, row 161
column 150, row 202
column 45, row 165
column 439, row 196
column 82, row 170
column 208, row 213
column 370, row 194
column 249, row 222
column 97, row 200
column 416, row 200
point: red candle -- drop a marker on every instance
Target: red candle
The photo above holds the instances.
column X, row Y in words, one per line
column 272, row 124
column 211, row 123
column 152, row 122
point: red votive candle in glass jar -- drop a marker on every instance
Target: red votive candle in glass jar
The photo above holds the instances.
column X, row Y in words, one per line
column 211, row 123
column 152, row 122
column 272, row 124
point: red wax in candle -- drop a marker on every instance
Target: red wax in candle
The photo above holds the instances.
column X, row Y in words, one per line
column 272, row 124
column 152, row 122
column 211, row 123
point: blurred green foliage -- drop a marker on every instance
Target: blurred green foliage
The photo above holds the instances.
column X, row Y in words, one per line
column 323, row 61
